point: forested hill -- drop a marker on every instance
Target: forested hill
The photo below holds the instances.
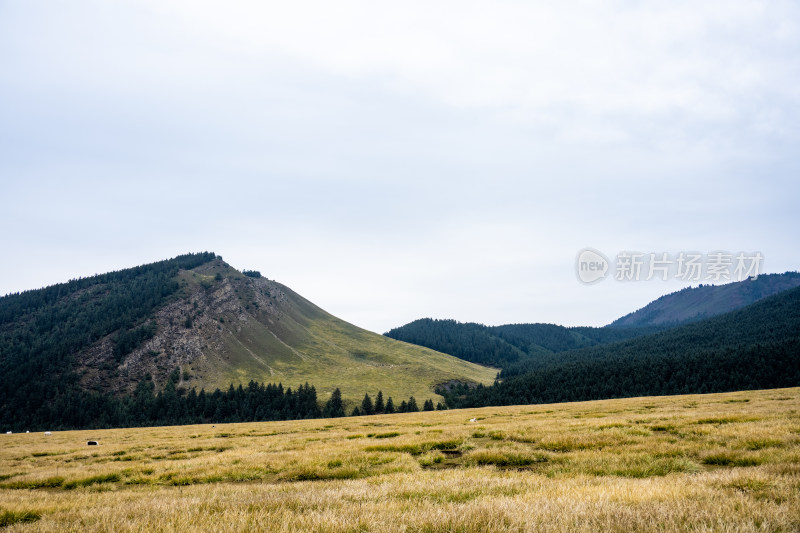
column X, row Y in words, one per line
column 696, row 303
column 468, row 341
column 501, row 346
column 73, row 354
column 43, row 331
column 513, row 344
column 756, row 347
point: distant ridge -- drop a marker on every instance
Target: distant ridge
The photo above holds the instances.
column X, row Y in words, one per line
column 501, row 346
column 697, row 303
column 755, row 347
column 513, row 344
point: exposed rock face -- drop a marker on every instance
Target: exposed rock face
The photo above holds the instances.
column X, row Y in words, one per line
column 187, row 327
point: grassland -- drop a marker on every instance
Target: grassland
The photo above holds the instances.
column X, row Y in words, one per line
column 721, row 462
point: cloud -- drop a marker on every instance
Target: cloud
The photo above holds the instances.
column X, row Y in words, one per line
column 710, row 63
column 449, row 158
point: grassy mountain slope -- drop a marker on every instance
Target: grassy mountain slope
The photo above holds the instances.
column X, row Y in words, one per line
column 255, row 328
column 696, row 303
column 217, row 326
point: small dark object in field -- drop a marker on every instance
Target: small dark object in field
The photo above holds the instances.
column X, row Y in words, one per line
column 92, row 443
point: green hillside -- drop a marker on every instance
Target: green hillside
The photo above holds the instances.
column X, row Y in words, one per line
column 208, row 326
column 257, row 329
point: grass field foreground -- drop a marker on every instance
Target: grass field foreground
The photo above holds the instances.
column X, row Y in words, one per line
column 720, row 462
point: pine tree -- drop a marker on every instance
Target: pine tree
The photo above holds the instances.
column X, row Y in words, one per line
column 355, row 412
column 412, row 405
column 428, row 405
column 379, row 406
column 334, row 407
column 403, row 407
column 366, row 405
column 389, row 410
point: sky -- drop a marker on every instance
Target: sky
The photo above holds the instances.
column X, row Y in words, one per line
column 397, row 160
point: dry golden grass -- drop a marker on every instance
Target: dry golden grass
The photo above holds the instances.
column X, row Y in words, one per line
column 721, row 462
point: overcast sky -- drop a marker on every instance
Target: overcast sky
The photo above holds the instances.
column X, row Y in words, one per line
column 397, row 160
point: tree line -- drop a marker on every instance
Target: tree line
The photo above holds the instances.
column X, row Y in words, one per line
column 334, row 407
column 255, row 402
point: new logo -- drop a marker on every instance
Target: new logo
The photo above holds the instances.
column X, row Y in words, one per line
column 591, row 266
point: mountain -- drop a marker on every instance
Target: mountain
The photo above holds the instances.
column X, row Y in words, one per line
column 513, row 344
column 755, row 347
column 501, row 346
column 196, row 322
column 696, row 303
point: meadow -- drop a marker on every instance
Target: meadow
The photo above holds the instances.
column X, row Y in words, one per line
column 717, row 462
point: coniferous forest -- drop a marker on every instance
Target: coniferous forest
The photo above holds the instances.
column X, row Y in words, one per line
column 177, row 406
column 757, row 347
column 507, row 345
column 41, row 330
